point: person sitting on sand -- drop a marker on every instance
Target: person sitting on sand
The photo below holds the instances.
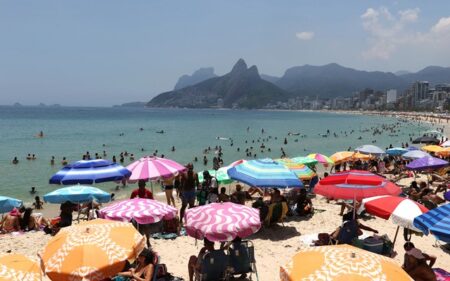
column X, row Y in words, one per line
column 27, row 221
column 142, row 271
column 194, row 265
column 38, row 204
column 10, row 222
column 304, row 204
column 141, row 191
column 276, row 197
column 239, row 196
column 223, row 196
column 415, row 263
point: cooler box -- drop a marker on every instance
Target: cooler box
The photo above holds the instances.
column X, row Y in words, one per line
column 374, row 245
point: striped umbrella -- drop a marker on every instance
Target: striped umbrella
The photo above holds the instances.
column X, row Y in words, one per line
column 370, row 149
column 355, row 184
column 432, row 148
column 143, row 211
column 152, row 168
column 415, row 154
column 436, row 222
column 325, row 160
column 305, row 161
column 302, row 171
column 90, row 172
column 221, row 175
column 8, row 203
column 77, row 194
column 396, row 151
column 342, row 156
column 15, row 267
column 264, row 173
column 222, row 221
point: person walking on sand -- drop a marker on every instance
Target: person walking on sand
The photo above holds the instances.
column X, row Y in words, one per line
column 188, row 184
column 168, row 185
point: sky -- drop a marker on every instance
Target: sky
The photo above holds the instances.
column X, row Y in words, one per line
column 107, row 52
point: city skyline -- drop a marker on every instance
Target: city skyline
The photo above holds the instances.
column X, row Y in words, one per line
column 111, row 52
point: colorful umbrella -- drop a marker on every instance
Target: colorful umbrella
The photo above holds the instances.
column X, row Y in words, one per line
column 264, row 173
column 92, row 250
column 444, row 152
column 370, row 149
column 221, row 175
column 143, row 211
column 361, row 156
column 355, row 184
column 7, row 204
column 436, row 222
column 401, row 210
column 90, row 172
column 427, row 140
column 342, row 156
column 325, row 160
column 77, row 194
column 427, row 163
column 396, row 151
column 447, row 195
column 415, row 154
column 432, row 148
column 341, row 262
column 152, row 168
column 303, row 172
column 15, row 267
column 305, row 161
column 222, row 221
column 410, row 148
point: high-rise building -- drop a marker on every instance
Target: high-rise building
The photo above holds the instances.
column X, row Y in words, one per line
column 391, row 96
column 420, row 91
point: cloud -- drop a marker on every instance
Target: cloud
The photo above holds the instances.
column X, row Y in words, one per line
column 442, row 26
column 305, row 35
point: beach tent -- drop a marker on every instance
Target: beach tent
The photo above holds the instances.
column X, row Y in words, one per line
column 426, row 140
column 436, row 222
column 7, row 204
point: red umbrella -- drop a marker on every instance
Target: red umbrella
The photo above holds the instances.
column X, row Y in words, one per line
column 355, row 185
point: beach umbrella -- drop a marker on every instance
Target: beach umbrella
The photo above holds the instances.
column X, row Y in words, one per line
column 396, row 151
column 143, row 211
column 222, row 221
column 264, row 173
column 355, row 185
column 426, row 140
column 361, row 156
column 401, row 210
column 221, row 175
column 153, row 168
column 444, row 152
column 16, row 267
column 432, row 148
column 7, row 204
column 325, row 160
column 237, row 162
column 341, row 262
column 410, row 148
column 415, row 154
column 77, row 194
column 436, row 222
column 447, row 195
column 305, row 161
column 90, row 172
column 427, row 163
column 370, row 149
column 303, row 172
column 341, row 156
column 446, row 144
column 434, row 133
column 92, row 250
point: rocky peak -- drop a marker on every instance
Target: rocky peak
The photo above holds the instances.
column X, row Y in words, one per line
column 239, row 67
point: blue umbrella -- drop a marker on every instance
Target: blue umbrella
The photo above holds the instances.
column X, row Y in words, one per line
column 396, row 151
column 435, row 221
column 415, row 154
column 8, row 204
column 370, row 149
column 410, row 148
column 89, row 172
column 264, row 173
column 77, row 194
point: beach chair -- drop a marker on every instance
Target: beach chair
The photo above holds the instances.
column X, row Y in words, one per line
column 213, row 266
column 277, row 213
column 242, row 259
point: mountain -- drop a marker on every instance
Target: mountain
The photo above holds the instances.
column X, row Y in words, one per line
column 401, row 72
column 132, row 104
column 433, row 74
column 198, row 76
column 333, row 80
column 242, row 87
column 269, row 78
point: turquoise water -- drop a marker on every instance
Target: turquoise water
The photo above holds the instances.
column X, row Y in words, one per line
column 70, row 132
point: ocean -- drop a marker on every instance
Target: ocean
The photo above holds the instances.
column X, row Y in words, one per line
column 72, row 131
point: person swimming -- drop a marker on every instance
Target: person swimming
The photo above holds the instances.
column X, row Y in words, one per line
column 15, row 161
column 160, row 132
column 33, row 190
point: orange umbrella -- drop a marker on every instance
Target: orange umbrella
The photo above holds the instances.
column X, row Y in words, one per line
column 444, row 152
column 15, row 267
column 91, row 251
column 360, row 156
column 341, row 262
column 341, row 156
column 432, row 148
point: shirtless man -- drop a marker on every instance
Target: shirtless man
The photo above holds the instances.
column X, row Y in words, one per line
column 415, row 263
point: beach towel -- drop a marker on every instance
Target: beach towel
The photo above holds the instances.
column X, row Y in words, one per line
column 441, row 274
column 168, row 236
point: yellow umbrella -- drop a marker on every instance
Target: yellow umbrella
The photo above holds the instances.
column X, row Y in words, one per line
column 15, row 267
column 444, row 152
column 341, row 262
column 91, row 251
column 360, row 156
column 432, row 148
column 341, row 156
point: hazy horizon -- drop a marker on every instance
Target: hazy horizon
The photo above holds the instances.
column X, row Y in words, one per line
column 105, row 53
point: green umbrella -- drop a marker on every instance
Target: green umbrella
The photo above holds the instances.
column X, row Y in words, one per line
column 220, row 175
column 305, row 161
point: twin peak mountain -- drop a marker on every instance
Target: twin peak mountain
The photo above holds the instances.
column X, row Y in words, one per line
column 243, row 86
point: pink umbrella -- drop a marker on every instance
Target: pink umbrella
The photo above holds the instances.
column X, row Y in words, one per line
column 222, row 221
column 152, row 168
column 143, row 211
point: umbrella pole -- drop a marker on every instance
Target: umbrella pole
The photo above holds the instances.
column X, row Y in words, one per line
column 395, row 237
